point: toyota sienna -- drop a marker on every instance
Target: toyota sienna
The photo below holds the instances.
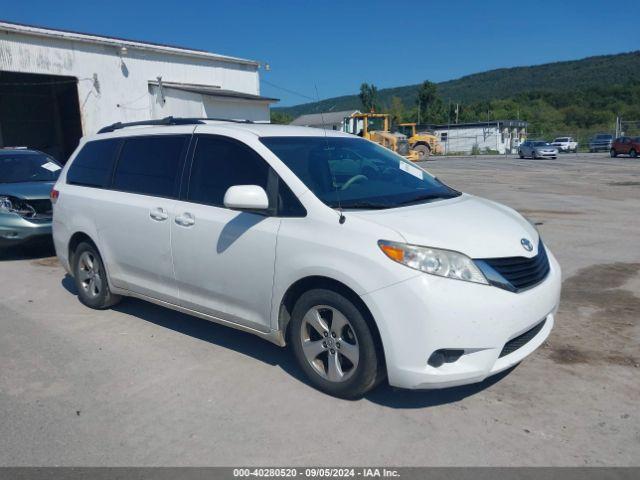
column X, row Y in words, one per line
column 366, row 265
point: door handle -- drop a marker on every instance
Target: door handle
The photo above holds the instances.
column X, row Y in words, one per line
column 159, row 214
column 185, row 220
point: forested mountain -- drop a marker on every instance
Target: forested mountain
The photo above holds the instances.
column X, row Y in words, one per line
column 573, row 96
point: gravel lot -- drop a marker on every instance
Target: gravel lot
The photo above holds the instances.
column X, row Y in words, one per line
column 141, row 385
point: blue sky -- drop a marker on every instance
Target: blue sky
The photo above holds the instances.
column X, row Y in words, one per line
column 337, row 45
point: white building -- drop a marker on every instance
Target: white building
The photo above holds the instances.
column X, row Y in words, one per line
column 501, row 136
column 56, row 86
column 328, row 120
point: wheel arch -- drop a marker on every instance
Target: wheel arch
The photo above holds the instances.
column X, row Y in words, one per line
column 311, row 282
column 76, row 239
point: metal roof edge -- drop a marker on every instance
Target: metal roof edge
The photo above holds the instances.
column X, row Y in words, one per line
column 118, row 42
column 511, row 122
column 213, row 90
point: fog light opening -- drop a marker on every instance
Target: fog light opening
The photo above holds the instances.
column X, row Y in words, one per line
column 444, row 355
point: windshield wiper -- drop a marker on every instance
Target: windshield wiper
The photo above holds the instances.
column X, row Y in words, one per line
column 366, row 205
column 431, row 196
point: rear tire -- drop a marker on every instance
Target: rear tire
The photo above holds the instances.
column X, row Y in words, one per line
column 520, row 154
column 91, row 278
column 633, row 153
column 334, row 345
column 613, row 153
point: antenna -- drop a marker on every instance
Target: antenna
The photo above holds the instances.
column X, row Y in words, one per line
column 342, row 218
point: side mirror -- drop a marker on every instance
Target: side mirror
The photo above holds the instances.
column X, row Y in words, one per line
column 246, row 197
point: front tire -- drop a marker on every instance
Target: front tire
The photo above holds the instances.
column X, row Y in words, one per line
column 91, row 278
column 520, row 154
column 633, row 153
column 613, row 153
column 334, row 344
column 423, row 151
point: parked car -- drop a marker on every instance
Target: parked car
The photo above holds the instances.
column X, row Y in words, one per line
column 625, row 146
column 365, row 264
column 565, row 144
column 26, row 179
column 601, row 143
column 537, row 149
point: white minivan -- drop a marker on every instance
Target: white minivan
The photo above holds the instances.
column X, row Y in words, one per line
column 366, row 265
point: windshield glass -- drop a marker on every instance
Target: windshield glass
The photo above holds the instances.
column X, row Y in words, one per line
column 356, row 173
column 375, row 123
column 540, row 144
column 27, row 167
column 404, row 129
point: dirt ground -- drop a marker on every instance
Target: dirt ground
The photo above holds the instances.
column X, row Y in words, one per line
column 142, row 385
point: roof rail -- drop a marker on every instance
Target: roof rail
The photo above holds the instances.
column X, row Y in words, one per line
column 232, row 120
column 166, row 121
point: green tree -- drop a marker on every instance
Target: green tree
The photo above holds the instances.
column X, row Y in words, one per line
column 368, row 97
column 427, row 95
column 397, row 110
column 280, row 117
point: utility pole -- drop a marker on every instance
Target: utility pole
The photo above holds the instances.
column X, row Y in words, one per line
column 448, row 127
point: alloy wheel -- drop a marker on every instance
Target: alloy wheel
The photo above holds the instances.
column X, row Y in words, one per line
column 89, row 274
column 329, row 343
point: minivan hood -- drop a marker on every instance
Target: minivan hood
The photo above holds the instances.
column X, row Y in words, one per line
column 471, row 225
column 27, row 190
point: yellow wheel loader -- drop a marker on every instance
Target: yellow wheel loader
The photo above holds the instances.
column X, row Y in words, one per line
column 375, row 127
column 422, row 143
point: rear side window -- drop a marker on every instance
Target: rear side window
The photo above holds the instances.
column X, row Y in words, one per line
column 93, row 165
column 220, row 163
column 150, row 165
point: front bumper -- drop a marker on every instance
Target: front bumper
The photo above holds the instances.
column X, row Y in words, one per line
column 428, row 313
column 15, row 229
column 546, row 154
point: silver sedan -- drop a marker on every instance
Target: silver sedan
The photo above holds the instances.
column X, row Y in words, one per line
column 537, row 149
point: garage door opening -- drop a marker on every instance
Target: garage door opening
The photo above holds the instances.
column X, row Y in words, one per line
column 41, row 112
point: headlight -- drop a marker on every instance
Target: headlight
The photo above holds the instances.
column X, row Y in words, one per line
column 5, row 205
column 444, row 263
column 15, row 205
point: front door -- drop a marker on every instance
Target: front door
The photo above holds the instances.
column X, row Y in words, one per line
column 625, row 145
column 224, row 259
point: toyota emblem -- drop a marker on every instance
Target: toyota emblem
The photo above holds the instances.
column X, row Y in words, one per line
column 526, row 244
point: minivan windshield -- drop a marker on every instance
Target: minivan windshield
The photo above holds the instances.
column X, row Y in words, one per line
column 27, row 167
column 356, row 173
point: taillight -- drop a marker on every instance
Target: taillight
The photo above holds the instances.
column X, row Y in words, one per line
column 54, row 195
